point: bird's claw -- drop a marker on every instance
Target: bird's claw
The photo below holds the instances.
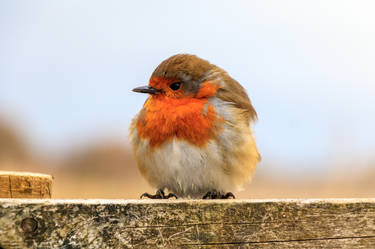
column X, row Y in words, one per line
column 218, row 195
column 159, row 195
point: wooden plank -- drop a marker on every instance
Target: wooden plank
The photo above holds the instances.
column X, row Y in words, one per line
column 24, row 185
column 331, row 223
column 5, row 186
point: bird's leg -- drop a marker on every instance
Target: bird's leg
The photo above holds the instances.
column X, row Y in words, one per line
column 158, row 195
column 213, row 194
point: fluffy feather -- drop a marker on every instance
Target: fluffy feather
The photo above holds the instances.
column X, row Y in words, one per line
column 195, row 139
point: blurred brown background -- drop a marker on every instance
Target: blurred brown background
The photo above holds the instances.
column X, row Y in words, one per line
column 106, row 169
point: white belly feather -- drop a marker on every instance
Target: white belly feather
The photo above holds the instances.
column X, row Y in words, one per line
column 184, row 169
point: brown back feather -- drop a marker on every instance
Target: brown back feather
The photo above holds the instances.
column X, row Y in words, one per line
column 235, row 93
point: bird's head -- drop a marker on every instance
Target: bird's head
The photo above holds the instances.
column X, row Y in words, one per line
column 182, row 76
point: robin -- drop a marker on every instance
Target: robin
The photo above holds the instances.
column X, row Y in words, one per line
column 193, row 136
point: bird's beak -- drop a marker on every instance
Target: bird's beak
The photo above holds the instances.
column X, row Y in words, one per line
column 146, row 89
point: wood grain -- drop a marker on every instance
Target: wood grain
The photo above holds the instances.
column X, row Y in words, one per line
column 331, row 223
column 24, row 185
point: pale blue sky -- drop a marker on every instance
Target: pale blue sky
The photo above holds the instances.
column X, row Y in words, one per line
column 67, row 68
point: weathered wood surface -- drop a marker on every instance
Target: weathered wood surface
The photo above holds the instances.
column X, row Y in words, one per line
column 187, row 223
column 24, row 185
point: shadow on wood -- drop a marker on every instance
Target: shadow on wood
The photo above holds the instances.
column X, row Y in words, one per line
column 187, row 223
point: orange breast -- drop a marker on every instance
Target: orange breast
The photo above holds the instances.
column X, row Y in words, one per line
column 190, row 119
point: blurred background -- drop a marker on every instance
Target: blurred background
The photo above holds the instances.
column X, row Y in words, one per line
column 67, row 69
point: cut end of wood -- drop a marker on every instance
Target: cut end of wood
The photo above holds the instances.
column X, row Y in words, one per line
column 25, row 185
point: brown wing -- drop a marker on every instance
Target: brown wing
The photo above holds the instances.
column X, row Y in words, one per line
column 235, row 93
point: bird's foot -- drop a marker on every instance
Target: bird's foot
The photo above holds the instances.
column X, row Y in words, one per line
column 158, row 195
column 218, row 195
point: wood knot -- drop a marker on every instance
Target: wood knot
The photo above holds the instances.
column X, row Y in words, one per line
column 29, row 225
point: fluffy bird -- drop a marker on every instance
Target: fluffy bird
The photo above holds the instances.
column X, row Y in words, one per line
column 193, row 136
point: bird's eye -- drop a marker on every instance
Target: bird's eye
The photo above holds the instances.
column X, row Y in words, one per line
column 175, row 86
